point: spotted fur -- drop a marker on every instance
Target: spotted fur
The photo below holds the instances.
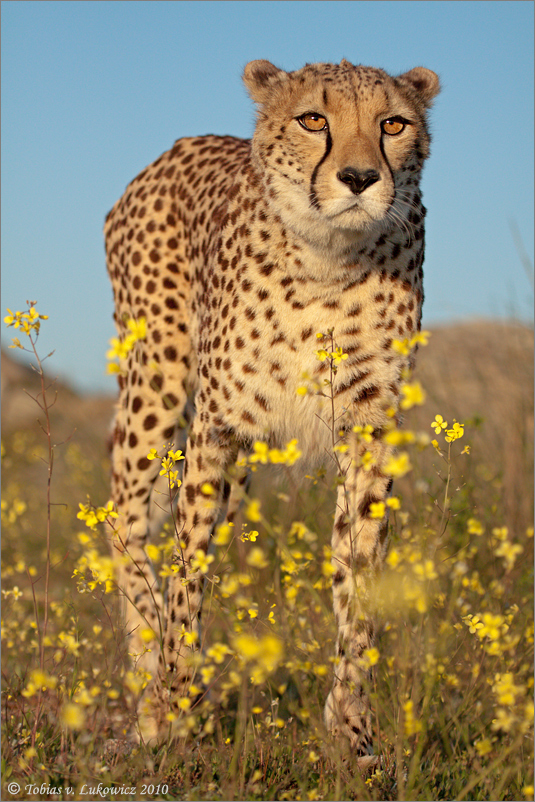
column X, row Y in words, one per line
column 237, row 253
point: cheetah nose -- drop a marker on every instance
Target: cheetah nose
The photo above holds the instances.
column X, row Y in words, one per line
column 358, row 182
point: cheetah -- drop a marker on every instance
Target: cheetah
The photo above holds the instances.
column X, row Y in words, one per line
column 238, row 253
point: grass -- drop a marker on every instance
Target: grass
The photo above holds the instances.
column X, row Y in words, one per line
column 452, row 687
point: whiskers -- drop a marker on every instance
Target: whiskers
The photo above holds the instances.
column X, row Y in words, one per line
column 400, row 211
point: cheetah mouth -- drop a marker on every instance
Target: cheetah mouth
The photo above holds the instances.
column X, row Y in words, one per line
column 351, row 208
column 355, row 207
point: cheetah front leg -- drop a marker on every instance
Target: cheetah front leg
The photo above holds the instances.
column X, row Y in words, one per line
column 209, row 454
column 358, row 549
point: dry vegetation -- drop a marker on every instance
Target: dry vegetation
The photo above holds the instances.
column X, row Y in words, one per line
column 452, row 691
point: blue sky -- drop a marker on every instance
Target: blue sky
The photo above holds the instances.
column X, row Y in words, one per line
column 94, row 91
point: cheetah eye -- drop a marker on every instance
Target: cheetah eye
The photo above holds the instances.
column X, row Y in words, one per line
column 393, row 126
column 312, row 121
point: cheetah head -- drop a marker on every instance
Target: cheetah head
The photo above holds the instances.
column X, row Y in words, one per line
column 340, row 148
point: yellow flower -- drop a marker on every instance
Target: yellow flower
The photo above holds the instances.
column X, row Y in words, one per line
column 506, row 690
column 176, row 456
column 265, row 652
column 364, row 433
column 413, row 395
column 138, row 328
column 367, row 460
column 438, row 424
column 147, row 634
column 261, row 453
column 253, row 511
column 509, row 551
column 421, row 337
column 401, row 346
column 189, row 638
column 27, row 321
column 39, row 680
column 483, row 747
column 120, row 348
column 493, row 626
column 504, row 720
column 327, row 568
column 136, row 681
column 207, row 673
column 371, row 656
column 256, row 558
column 223, row 533
column 72, row 716
column 394, row 437
column 397, row 465
column 412, row 725
column 201, row 561
column 338, row 355
column 475, row 527
column 425, row 570
column 473, row 623
column 152, row 552
column 393, row 559
column 455, row 433
column 377, row 509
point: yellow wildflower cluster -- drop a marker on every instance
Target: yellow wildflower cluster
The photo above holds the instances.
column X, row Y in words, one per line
column 412, row 395
column 262, row 655
column 411, row 724
column 335, row 356
column 39, row 681
column 266, row 652
column 10, row 512
column 504, row 548
column 263, row 454
column 454, row 433
column 170, row 471
column 121, row 347
column 93, row 568
column 95, row 515
column 28, row 322
column 405, row 346
column 409, row 579
column 492, row 630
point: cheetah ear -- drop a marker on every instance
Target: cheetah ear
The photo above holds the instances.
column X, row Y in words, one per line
column 260, row 77
column 425, row 82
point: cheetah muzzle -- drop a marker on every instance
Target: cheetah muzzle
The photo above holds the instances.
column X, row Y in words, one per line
column 237, row 252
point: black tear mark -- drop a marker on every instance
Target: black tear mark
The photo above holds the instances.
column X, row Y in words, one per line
column 313, row 197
